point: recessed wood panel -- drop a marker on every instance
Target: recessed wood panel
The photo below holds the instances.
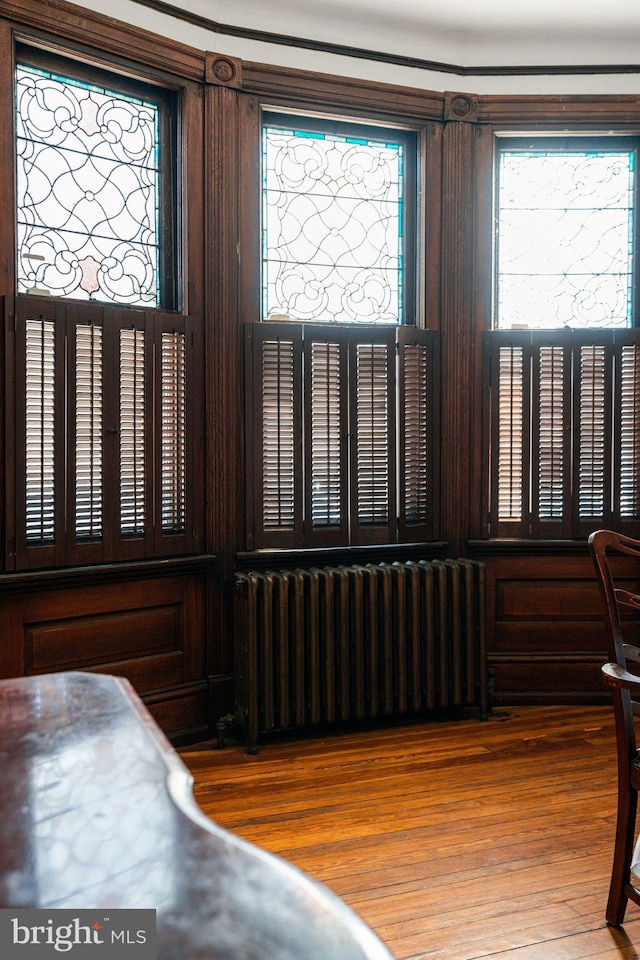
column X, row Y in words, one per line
column 104, row 638
column 547, row 681
column 548, row 599
column 535, row 636
column 150, row 631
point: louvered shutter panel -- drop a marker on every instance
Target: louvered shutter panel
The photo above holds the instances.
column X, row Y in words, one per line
column 274, row 356
column 510, row 434
column 133, row 421
column 584, row 423
column 175, row 440
column 372, row 378
column 626, row 431
column 88, row 435
column 40, row 438
column 325, row 376
column 593, row 370
column 550, row 435
column 89, row 476
column 84, row 408
column 417, row 393
column 173, row 433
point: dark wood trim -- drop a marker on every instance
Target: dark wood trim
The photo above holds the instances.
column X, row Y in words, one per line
column 429, row 224
column 223, row 70
column 7, row 163
column 224, row 421
column 105, row 573
column 570, row 112
column 482, row 306
column 264, row 36
column 367, row 98
column 460, row 409
column 376, row 553
column 523, row 548
column 75, row 28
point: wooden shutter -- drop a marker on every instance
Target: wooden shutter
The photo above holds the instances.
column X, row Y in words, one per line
column 102, row 434
column 274, row 365
column 626, row 432
column 550, row 511
column 592, row 477
column 418, row 442
column 39, row 435
column 330, row 410
column 510, row 409
column 565, row 430
column 326, row 410
column 176, row 441
column 372, row 377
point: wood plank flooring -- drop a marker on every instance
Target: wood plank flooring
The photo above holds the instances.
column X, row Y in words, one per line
column 454, row 840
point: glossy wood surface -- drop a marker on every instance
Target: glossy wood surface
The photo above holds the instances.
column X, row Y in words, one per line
column 96, row 810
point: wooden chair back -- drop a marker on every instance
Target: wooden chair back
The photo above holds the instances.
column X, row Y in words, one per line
column 622, row 674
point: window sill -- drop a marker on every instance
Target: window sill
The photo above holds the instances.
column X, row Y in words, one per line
column 375, row 553
column 517, row 547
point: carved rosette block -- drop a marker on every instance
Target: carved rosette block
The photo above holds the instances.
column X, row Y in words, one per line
column 223, row 70
column 460, row 106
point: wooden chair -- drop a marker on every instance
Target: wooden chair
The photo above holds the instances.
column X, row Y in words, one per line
column 622, row 673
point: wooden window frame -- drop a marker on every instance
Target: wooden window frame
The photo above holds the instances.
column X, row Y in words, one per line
column 526, row 427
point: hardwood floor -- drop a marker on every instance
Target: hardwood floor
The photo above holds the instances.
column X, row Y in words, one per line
column 453, row 840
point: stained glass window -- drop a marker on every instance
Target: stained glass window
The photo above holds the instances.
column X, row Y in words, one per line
column 565, row 233
column 88, row 185
column 333, row 247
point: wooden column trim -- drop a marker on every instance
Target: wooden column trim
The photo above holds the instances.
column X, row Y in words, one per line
column 7, row 280
column 224, row 419
column 460, row 425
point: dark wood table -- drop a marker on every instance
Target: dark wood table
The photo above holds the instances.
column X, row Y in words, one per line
column 97, row 811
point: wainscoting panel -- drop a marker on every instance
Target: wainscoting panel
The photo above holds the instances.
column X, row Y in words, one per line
column 149, row 629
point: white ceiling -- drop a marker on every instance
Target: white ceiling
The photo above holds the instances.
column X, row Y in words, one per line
column 461, row 32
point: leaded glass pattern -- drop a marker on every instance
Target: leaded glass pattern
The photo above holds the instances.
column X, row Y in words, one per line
column 565, row 232
column 87, row 190
column 332, row 227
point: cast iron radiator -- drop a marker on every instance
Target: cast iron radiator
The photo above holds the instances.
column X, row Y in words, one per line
column 341, row 643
